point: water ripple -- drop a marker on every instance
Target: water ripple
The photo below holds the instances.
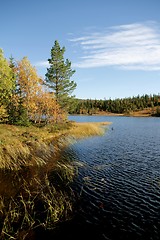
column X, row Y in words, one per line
column 119, row 179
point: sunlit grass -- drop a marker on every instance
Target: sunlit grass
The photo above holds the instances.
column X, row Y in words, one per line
column 44, row 197
column 32, row 146
column 81, row 130
column 22, row 146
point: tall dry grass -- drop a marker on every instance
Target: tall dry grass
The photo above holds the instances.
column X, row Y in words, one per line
column 32, row 146
column 30, row 211
column 42, row 199
column 35, row 192
column 81, row 130
column 22, row 146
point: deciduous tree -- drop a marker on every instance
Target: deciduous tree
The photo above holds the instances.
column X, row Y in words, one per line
column 29, row 84
column 7, row 84
column 39, row 104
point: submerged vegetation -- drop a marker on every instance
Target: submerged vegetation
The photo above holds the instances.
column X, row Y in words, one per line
column 35, row 179
column 31, row 200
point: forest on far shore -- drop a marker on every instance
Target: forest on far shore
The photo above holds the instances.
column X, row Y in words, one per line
column 118, row 106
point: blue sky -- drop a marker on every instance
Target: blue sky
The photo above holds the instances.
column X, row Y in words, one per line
column 114, row 45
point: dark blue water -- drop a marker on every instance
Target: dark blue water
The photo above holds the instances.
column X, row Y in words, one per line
column 118, row 181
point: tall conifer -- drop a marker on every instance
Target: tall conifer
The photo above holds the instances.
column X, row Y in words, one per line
column 58, row 76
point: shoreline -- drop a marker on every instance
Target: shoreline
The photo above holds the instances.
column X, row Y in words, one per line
column 134, row 114
column 29, row 146
column 35, row 193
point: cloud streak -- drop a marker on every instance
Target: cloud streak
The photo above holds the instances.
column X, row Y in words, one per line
column 42, row 64
column 134, row 47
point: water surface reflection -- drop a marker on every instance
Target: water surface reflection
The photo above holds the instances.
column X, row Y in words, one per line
column 119, row 180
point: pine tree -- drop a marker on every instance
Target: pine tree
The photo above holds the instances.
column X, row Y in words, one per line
column 58, row 76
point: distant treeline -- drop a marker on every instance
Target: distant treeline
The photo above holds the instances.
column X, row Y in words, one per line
column 119, row 106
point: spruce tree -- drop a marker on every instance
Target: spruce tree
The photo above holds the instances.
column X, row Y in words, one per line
column 58, row 76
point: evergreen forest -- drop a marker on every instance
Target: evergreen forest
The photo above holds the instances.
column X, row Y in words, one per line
column 118, row 106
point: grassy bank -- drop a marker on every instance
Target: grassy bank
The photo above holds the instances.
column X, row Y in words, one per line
column 26, row 146
column 81, row 130
column 34, row 192
column 35, row 179
column 32, row 146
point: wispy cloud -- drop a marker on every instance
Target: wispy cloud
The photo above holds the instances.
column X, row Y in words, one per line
column 42, row 64
column 134, row 46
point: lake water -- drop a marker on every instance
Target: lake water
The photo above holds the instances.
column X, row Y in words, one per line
column 118, row 181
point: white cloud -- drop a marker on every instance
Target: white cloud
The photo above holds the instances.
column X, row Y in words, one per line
column 42, row 64
column 134, row 47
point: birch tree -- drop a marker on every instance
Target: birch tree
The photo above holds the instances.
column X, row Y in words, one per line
column 7, row 84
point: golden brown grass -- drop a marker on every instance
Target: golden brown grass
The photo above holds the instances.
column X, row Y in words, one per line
column 81, row 130
column 31, row 196
column 147, row 112
column 32, row 146
column 21, row 146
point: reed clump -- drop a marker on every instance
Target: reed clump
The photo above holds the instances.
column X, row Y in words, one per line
column 35, row 180
column 81, row 130
column 28, row 212
column 33, row 146
column 34, row 192
column 38, row 202
column 27, row 146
